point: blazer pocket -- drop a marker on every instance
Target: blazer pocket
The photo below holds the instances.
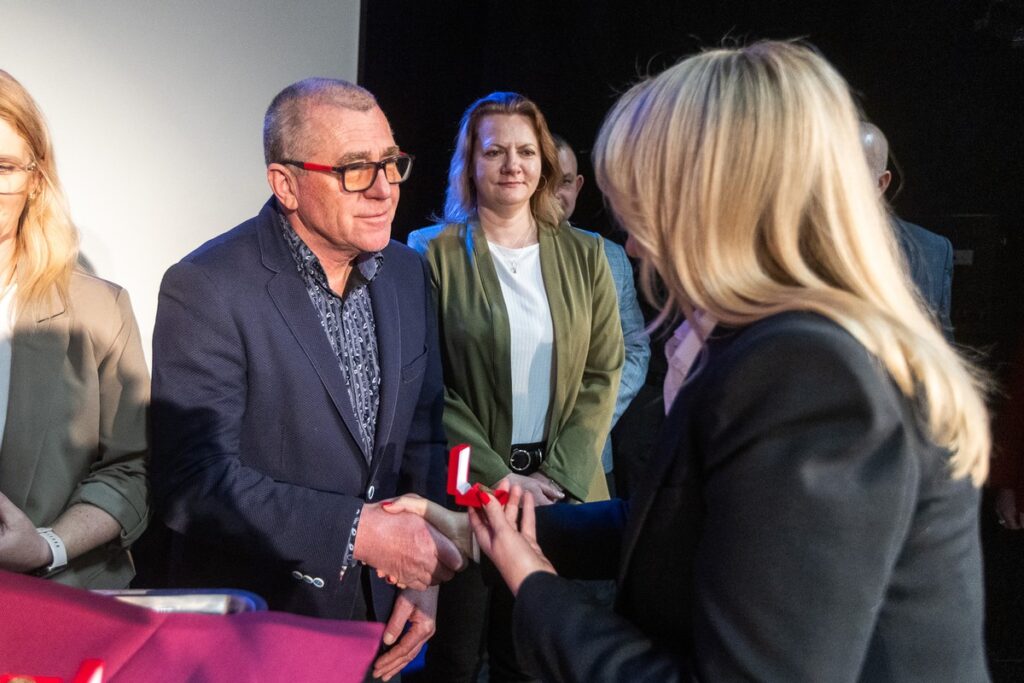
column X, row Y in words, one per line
column 415, row 368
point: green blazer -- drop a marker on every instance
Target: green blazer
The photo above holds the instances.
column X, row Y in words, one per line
column 475, row 343
column 76, row 421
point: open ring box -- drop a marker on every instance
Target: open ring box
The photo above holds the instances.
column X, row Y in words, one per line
column 458, row 480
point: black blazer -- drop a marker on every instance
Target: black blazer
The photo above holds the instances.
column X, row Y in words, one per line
column 257, row 465
column 793, row 526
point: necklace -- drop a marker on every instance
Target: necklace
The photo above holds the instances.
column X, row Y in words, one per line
column 510, row 255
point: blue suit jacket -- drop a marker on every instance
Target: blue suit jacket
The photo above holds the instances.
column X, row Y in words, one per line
column 257, row 465
column 930, row 257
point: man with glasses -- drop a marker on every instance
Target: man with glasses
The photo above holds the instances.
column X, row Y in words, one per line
column 297, row 383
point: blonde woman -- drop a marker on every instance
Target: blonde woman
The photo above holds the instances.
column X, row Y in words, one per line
column 811, row 512
column 73, row 380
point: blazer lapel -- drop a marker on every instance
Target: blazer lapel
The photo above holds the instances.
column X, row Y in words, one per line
column 384, row 300
column 289, row 295
column 665, row 457
column 550, row 268
column 668, row 455
column 39, row 346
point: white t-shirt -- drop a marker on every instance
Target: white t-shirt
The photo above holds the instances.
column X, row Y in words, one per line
column 532, row 337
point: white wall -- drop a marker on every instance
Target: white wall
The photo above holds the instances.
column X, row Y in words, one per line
column 156, row 111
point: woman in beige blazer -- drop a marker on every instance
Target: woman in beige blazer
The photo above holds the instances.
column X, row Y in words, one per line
column 74, row 386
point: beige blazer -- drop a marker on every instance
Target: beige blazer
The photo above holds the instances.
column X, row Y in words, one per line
column 76, row 421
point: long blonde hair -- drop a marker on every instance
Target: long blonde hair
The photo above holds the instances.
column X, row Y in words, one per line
column 46, row 249
column 741, row 175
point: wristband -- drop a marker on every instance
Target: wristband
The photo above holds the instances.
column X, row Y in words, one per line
column 60, row 553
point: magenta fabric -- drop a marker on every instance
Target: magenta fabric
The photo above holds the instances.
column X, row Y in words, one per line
column 47, row 629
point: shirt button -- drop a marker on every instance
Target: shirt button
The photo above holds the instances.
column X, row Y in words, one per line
column 370, row 491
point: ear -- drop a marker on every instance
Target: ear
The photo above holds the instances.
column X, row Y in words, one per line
column 283, row 184
column 579, row 183
column 35, row 185
column 883, row 181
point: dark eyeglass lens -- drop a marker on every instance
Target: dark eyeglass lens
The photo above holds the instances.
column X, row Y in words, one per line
column 359, row 176
column 397, row 169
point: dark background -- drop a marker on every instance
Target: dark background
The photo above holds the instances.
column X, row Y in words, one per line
column 943, row 79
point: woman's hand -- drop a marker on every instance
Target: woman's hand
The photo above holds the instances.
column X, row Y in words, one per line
column 512, row 547
column 544, row 490
column 22, row 549
column 454, row 525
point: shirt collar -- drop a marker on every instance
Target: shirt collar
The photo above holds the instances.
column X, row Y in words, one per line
column 681, row 351
column 367, row 264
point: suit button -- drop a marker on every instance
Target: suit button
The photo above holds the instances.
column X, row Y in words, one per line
column 307, row 578
column 297, row 575
column 318, row 582
column 369, row 492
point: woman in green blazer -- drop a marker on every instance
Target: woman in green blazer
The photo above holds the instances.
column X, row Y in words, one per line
column 500, row 212
column 530, row 336
column 74, row 386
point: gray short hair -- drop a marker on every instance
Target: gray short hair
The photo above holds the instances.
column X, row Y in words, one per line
column 285, row 121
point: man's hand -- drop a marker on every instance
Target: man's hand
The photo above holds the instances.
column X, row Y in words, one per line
column 1006, row 510
column 454, row 525
column 406, row 547
column 418, row 609
column 22, row 549
column 544, row 490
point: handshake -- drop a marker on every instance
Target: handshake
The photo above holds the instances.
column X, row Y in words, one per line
column 415, row 543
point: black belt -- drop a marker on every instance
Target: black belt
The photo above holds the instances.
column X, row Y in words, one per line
column 525, row 458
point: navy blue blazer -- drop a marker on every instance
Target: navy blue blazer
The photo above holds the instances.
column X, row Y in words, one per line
column 257, row 466
column 930, row 258
column 793, row 525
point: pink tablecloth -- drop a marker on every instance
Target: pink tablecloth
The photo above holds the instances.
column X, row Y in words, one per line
column 48, row 630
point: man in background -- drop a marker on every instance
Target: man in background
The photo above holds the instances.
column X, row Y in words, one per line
column 638, row 350
column 930, row 256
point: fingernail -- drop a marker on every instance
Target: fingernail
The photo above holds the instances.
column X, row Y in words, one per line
column 389, row 639
column 484, row 498
column 387, row 503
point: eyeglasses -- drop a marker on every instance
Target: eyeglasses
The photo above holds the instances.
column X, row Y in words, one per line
column 361, row 175
column 14, row 177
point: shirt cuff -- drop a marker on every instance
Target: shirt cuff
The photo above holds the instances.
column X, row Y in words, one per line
column 349, row 559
